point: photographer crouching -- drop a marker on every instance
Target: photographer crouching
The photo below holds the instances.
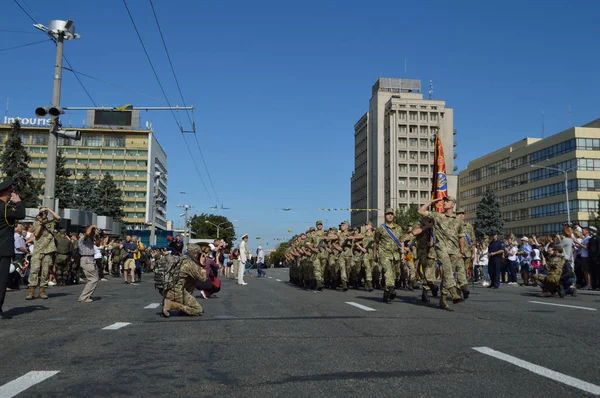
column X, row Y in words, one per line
column 43, row 255
column 88, row 265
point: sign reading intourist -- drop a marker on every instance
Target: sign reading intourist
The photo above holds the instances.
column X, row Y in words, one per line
column 28, row 121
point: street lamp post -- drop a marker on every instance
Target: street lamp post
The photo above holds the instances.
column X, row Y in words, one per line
column 217, row 225
column 565, row 172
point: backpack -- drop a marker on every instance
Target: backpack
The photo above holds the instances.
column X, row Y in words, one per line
column 166, row 272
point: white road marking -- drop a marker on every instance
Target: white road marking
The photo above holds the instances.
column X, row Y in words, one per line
column 541, row 371
column 153, row 305
column 564, row 305
column 270, row 277
column 21, row 384
column 117, row 325
column 278, row 280
column 362, row 307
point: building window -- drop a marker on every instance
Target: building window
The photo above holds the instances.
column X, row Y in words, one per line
column 402, row 195
column 424, row 195
column 424, row 156
column 424, row 130
column 413, row 155
column 423, row 143
column 24, row 138
column 433, row 117
column 402, row 181
column 424, row 168
column 402, row 169
column 91, row 140
column 39, row 139
column 413, row 168
column 414, row 129
column 413, row 194
column 413, row 116
column 403, row 115
column 402, row 142
column 402, row 155
column 423, row 116
column 402, row 129
column 114, row 141
column 413, row 142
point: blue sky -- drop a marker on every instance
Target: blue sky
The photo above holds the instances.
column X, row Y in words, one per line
column 278, row 85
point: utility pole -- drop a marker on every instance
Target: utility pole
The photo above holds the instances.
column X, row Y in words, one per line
column 59, row 31
column 186, row 230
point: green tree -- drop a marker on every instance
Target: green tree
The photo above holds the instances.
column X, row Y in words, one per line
column 201, row 229
column 488, row 216
column 277, row 256
column 65, row 188
column 86, row 192
column 14, row 162
column 110, row 198
column 407, row 216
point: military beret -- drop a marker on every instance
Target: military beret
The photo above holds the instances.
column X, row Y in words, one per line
column 4, row 185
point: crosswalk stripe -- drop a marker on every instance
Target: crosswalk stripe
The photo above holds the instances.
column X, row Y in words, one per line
column 362, row 307
column 21, row 384
column 151, row 306
column 116, row 325
column 564, row 305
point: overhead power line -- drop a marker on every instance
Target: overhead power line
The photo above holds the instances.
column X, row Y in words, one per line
column 166, row 98
column 183, row 100
column 24, row 45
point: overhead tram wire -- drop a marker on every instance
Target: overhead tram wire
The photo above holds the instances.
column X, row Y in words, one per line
column 24, row 45
column 193, row 123
column 166, row 98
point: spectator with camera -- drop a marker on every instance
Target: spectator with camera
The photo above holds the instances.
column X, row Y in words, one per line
column 87, row 263
column 176, row 245
column 45, row 250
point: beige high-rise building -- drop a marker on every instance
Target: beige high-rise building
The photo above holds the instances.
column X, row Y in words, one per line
column 530, row 191
column 394, row 147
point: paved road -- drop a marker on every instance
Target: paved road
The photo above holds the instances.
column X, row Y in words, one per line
column 272, row 339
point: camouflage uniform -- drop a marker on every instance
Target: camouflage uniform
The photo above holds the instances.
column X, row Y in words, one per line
column 181, row 293
column 409, row 271
column 368, row 261
column 332, row 262
column 63, row 256
column 426, row 255
column 319, row 258
column 461, row 277
column 43, row 254
column 357, row 261
column 550, row 282
column 447, row 231
column 345, row 257
column 388, row 254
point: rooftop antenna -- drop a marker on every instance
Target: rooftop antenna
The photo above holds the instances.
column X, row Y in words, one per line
column 430, row 89
column 543, row 133
column 7, row 101
column 570, row 116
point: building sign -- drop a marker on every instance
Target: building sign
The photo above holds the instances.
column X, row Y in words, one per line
column 28, row 121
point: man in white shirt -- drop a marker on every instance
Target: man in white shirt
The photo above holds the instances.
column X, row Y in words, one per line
column 243, row 259
column 585, row 257
column 260, row 262
column 20, row 248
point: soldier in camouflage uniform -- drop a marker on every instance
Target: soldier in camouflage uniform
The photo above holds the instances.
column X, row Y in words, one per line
column 43, row 254
column 368, row 261
column 421, row 230
column 179, row 297
column 450, row 240
column 345, row 257
column 551, row 281
column 332, row 258
column 357, row 258
column 461, row 274
column 64, row 248
column 319, row 256
column 388, row 253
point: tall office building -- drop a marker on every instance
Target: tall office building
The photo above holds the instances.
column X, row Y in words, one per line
column 531, row 192
column 394, row 147
column 112, row 142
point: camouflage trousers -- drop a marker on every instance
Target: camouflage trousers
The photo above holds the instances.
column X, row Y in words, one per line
column 331, row 269
column 40, row 266
column 372, row 270
column 428, row 265
column 178, row 294
column 548, row 283
column 390, row 264
column 357, row 266
column 319, row 263
column 450, row 262
column 307, row 269
column 62, row 267
column 461, row 272
column 409, row 271
column 345, row 265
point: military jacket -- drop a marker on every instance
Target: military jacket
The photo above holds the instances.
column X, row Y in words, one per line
column 63, row 245
column 45, row 243
column 9, row 214
column 367, row 242
column 344, row 243
column 447, row 231
column 384, row 242
column 470, row 232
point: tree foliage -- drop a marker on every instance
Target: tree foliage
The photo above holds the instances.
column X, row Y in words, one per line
column 277, row 256
column 64, row 188
column 109, row 198
column 201, row 229
column 86, row 192
column 14, row 162
column 488, row 216
column 407, row 216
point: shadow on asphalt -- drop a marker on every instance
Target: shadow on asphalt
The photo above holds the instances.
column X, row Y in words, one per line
column 51, row 295
column 355, row 376
column 25, row 310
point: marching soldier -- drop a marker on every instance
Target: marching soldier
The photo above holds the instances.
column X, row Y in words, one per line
column 388, row 251
column 461, row 277
column 367, row 248
column 421, row 230
column 319, row 257
column 450, row 242
column 357, row 258
column 64, row 248
column 332, row 258
column 345, row 257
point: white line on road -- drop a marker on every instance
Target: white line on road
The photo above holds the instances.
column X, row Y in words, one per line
column 362, row 307
column 21, row 384
column 270, row 277
column 153, row 305
column 117, row 325
column 541, row 371
column 564, row 305
column 278, row 280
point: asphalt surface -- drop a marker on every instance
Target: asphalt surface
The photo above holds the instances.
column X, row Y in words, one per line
column 271, row 339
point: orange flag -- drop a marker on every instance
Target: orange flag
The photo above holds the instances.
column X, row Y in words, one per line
column 439, row 188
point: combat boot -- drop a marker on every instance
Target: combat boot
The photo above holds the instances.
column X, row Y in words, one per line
column 455, row 296
column 319, row 285
column 443, row 304
column 43, row 293
column 392, row 293
column 465, row 292
column 434, row 289
column 31, row 294
column 368, row 286
column 424, row 297
column 561, row 290
column 344, row 286
column 386, row 296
